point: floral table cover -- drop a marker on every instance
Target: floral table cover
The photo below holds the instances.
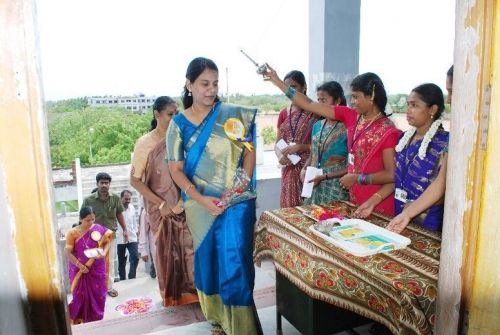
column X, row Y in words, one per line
column 397, row 289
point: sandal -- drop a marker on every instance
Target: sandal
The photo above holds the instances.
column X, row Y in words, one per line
column 113, row 293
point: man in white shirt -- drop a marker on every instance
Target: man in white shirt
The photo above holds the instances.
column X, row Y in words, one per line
column 132, row 244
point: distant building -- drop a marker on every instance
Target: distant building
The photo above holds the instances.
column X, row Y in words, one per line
column 139, row 104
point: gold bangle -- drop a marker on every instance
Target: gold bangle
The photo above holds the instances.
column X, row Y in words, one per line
column 188, row 188
column 161, row 205
column 378, row 195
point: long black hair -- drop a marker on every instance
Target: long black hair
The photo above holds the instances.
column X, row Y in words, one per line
column 160, row 104
column 195, row 68
column 371, row 85
column 431, row 94
column 333, row 89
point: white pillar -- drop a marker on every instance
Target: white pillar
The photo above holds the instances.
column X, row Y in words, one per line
column 79, row 185
column 334, row 27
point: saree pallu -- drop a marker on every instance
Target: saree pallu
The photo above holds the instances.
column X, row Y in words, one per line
column 88, row 289
column 414, row 175
column 328, row 152
column 296, row 128
column 172, row 239
column 224, row 272
column 368, row 158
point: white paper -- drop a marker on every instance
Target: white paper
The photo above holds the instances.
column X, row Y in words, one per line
column 282, row 145
column 311, row 173
column 94, row 252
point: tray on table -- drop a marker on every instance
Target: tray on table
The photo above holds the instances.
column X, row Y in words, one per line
column 359, row 237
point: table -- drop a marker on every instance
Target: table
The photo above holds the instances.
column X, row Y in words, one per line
column 397, row 289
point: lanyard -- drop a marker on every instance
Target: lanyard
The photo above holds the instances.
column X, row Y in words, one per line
column 294, row 129
column 364, row 130
column 321, row 146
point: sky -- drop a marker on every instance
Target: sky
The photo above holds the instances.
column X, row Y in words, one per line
column 125, row 47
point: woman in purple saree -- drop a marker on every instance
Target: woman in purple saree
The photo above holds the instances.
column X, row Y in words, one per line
column 87, row 246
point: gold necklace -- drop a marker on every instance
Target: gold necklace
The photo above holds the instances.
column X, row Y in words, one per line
column 373, row 119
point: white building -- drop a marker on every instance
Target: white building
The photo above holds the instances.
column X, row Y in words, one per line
column 138, row 104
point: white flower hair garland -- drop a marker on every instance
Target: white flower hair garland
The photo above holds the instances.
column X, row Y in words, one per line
column 422, row 151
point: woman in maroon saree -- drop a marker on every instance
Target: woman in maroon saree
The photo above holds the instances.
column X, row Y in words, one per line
column 294, row 127
column 87, row 273
column 170, row 239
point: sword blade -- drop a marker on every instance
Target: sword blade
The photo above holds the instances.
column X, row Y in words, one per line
column 250, row 58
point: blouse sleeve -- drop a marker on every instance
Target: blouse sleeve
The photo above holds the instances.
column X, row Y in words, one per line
column 392, row 140
column 282, row 116
column 346, row 115
column 139, row 160
column 70, row 240
column 175, row 145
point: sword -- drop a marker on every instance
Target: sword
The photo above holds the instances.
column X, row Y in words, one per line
column 261, row 69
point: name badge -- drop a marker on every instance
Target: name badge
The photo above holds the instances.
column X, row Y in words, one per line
column 401, row 195
column 350, row 159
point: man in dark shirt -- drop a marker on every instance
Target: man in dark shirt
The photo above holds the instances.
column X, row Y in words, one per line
column 108, row 210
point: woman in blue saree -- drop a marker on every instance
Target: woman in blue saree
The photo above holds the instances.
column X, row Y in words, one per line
column 421, row 157
column 204, row 162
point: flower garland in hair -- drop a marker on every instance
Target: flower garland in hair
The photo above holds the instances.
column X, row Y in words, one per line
column 422, row 150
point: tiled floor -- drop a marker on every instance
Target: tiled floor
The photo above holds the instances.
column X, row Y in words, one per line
column 145, row 286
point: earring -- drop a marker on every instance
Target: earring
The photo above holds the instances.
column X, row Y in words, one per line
column 432, row 116
column 189, row 94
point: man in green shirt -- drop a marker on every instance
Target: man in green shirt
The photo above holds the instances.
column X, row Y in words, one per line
column 108, row 210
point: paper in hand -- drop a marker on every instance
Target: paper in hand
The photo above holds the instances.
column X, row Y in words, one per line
column 311, row 173
column 93, row 252
column 282, row 145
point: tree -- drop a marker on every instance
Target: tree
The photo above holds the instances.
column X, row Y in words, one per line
column 96, row 135
column 269, row 135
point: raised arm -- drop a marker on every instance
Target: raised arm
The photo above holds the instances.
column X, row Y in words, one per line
column 298, row 98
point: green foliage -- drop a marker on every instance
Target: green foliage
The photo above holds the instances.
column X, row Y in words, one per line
column 397, row 102
column 265, row 102
column 106, row 133
column 269, row 135
column 67, row 106
column 70, row 206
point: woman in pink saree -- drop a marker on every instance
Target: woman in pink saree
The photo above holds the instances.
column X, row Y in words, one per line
column 87, row 246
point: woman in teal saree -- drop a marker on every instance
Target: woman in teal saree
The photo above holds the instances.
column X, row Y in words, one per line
column 205, row 162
